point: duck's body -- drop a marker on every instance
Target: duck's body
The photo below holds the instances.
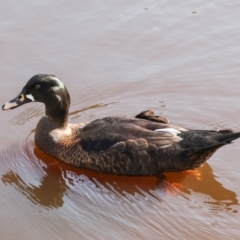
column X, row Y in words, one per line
column 143, row 145
column 129, row 146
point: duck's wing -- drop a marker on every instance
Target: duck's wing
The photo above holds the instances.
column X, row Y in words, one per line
column 129, row 145
column 128, row 133
column 138, row 146
column 150, row 115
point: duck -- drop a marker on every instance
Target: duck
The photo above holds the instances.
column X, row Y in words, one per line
column 142, row 145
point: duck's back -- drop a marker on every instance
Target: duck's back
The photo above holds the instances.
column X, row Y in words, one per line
column 137, row 146
column 101, row 134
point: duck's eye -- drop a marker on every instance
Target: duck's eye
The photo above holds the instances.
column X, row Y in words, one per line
column 37, row 86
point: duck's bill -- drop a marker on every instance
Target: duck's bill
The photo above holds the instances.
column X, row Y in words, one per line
column 16, row 102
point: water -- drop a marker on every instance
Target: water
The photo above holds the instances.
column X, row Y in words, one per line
column 180, row 59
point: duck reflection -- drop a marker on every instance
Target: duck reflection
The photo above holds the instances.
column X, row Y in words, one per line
column 50, row 192
column 60, row 178
column 203, row 181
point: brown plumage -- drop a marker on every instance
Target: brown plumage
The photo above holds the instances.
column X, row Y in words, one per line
column 141, row 145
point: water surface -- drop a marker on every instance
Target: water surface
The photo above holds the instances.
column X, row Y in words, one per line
column 180, row 59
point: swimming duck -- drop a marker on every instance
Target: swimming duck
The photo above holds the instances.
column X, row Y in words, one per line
column 141, row 145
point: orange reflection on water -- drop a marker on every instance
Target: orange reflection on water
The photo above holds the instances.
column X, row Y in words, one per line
column 59, row 177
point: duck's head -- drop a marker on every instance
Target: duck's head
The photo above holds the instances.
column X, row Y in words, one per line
column 47, row 89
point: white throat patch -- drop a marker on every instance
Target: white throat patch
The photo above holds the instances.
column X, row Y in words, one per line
column 30, row 97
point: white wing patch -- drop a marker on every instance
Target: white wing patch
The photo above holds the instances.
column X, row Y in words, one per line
column 30, row 97
column 175, row 138
column 169, row 130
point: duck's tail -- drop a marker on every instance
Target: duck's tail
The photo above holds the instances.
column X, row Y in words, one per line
column 196, row 157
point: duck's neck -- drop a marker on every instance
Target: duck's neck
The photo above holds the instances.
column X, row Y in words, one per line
column 57, row 111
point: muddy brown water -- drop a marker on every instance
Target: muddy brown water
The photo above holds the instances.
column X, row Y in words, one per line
column 181, row 59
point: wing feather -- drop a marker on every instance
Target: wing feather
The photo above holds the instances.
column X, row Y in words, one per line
column 126, row 134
